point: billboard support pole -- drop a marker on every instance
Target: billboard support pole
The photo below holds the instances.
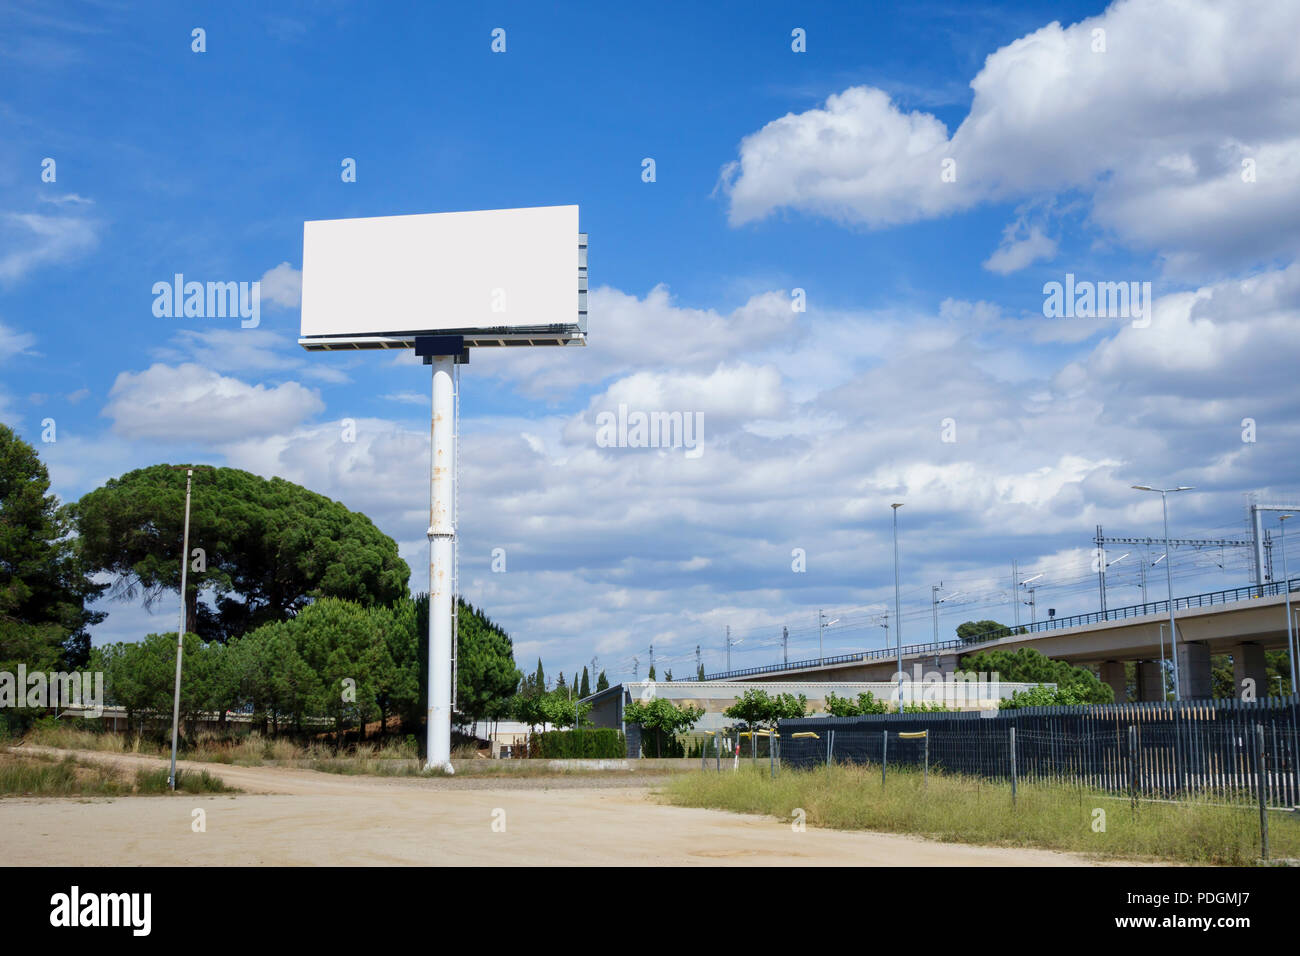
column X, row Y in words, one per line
column 441, row 352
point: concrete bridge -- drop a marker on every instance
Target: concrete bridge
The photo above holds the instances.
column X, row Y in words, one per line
column 1243, row 622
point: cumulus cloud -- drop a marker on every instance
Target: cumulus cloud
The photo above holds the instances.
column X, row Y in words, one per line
column 282, row 286
column 1155, row 128
column 637, row 333
column 190, row 402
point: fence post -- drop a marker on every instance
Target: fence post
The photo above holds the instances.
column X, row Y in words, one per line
column 1259, row 788
column 1013, row 766
column 884, row 755
column 1132, row 766
column 771, row 750
column 717, row 749
column 925, row 779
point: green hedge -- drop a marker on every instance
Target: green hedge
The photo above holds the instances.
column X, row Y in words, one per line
column 597, row 743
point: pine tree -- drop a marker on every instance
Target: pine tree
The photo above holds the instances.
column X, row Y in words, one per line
column 699, row 674
column 652, row 672
column 602, row 682
column 585, row 686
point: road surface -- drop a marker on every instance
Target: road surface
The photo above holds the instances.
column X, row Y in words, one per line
column 289, row 817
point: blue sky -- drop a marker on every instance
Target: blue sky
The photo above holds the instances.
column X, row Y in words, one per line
column 775, row 170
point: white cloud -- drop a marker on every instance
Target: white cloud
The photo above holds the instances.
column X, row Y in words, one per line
column 282, row 286
column 35, row 240
column 1155, row 129
column 14, row 342
column 1021, row 246
column 192, row 403
column 630, row 333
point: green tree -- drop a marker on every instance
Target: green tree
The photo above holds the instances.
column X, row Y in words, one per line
column 486, row 674
column 662, row 718
column 273, row 676
column 44, row 583
column 1031, row 666
column 343, row 643
column 271, row 547
column 585, row 686
column 651, row 674
column 972, row 631
column 602, row 682
column 757, row 708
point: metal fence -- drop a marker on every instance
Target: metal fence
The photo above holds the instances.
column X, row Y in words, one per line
column 1222, row 749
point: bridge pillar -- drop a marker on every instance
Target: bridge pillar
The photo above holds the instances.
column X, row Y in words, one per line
column 1194, row 670
column 1248, row 664
column 1112, row 673
column 1150, row 681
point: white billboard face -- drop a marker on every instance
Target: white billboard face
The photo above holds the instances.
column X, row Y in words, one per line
column 500, row 276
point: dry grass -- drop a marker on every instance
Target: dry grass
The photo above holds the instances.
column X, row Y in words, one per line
column 968, row 810
column 39, row 775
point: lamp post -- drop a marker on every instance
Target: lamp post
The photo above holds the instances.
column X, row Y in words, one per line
column 1169, row 578
column 822, row 624
column 1286, row 584
column 180, row 631
column 898, row 617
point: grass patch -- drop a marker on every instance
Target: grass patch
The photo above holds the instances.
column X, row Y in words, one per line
column 42, row 775
column 187, row 781
column 961, row 809
column 39, row 776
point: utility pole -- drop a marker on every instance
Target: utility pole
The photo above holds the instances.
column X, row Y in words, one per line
column 1286, row 584
column 652, row 659
column 898, row 612
column 1169, row 577
column 699, row 667
column 180, row 632
column 1015, row 591
column 785, row 645
column 728, row 640
column 934, row 607
column 1101, row 568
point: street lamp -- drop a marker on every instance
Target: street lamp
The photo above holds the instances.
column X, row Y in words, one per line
column 1169, row 577
column 1286, row 583
column 898, row 617
column 822, row 624
column 180, row 631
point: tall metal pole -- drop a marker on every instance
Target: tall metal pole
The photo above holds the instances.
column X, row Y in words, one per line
column 934, row 606
column 898, row 617
column 442, row 540
column 1286, row 584
column 180, row 631
column 1015, row 591
column 1169, row 588
column 821, row 627
column 1169, row 579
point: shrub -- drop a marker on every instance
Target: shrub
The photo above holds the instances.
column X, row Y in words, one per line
column 590, row 744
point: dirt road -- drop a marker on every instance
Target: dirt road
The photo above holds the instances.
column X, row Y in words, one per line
column 303, row 817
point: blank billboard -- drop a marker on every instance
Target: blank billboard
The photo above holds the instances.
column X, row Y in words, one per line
column 498, row 276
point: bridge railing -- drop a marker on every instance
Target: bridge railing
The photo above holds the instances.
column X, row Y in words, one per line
column 1208, row 599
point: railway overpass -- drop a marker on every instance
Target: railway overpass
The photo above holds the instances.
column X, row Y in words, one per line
column 1243, row 622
